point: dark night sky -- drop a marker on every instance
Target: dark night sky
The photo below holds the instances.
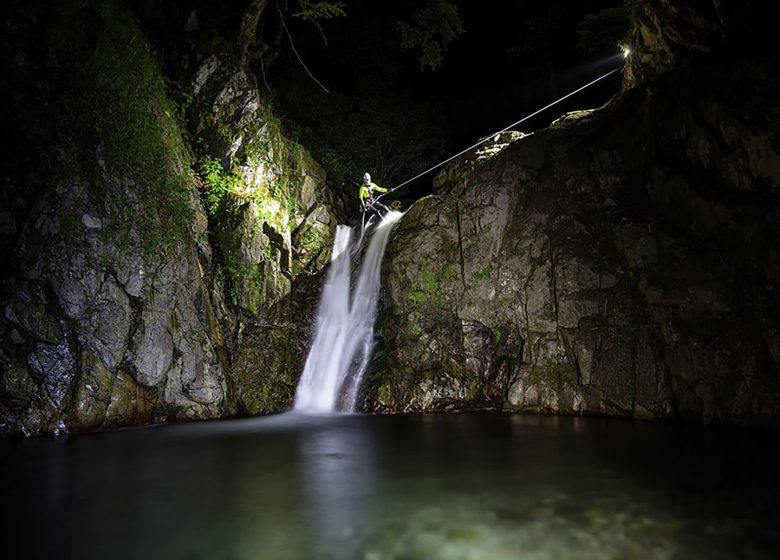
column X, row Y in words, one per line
column 481, row 86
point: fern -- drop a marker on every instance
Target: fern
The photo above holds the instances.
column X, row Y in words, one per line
column 313, row 11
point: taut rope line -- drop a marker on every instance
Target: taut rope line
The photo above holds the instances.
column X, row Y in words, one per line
column 446, row 161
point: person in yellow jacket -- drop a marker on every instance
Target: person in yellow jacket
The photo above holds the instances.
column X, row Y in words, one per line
column 366, row 192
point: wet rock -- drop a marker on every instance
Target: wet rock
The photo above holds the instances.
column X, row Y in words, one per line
column 278, row 220
column 53, row 365
column 129, row 300
column 93, row 393
column 667, row 34
column 280, row 344
column 130, row 404
column 101, row 287
column 619, row 253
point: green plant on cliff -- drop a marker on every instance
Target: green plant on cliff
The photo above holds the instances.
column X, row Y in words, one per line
column 552, row 373
column 275, row 200
column 289, row 156
column 217, row 183
column 310, row 241
column 240, row 274
column 427, row 290
column 70, row 225
column 109, row 99
column 268, row 171
column 484, row 273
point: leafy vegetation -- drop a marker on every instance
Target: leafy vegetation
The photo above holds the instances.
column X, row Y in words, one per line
column 275, row 200
column 217, row 183
column 427, row 290
column 368, row 130
column 431, row 30
column 602, row 31
column 310, row 241
column 314, row 12
column 242, row 275
column 108, row 98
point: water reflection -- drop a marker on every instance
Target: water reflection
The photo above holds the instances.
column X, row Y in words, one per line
column 338, row 475
column 391, row 488
column 54, row 537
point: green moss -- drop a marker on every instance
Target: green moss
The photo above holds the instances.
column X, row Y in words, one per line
column 109, row 99
column 264, row 395
column 385, row 395
column 554, row 374
column 279, row 200
column 271, row 397
column 413, row 329
column 70, row 225
column 483, row 274
column 427, row 290
column 242, row 275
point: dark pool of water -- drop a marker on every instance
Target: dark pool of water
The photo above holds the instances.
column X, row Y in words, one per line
column 394, row 487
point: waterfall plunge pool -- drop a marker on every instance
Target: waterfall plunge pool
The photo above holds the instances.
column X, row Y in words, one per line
column 458, row 486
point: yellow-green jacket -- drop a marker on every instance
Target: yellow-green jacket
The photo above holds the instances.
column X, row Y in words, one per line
column 367, row 191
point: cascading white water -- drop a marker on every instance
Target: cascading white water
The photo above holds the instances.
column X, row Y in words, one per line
column 345, row 325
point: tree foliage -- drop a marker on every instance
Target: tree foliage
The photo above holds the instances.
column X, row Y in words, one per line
column 431, row 30
column 539, row 34
column 314, row 11
column 372, row 129
column 253, row 26
column 600, row 32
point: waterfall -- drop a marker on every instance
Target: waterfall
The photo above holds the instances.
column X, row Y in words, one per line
column 344, row 335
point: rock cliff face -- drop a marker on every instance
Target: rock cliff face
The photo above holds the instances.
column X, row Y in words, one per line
column 666, row 34
column 272, row 219
column 624, row 261
column 162, row 239
column 150, row 248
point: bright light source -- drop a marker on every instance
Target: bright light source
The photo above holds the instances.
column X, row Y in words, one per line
column 626, row 52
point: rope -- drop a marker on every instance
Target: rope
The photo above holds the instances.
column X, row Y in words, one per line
column 446, row 161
